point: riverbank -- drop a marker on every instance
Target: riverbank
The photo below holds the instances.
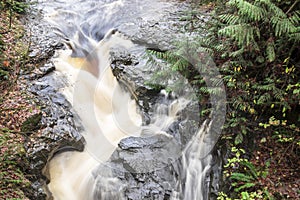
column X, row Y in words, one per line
column 16, row 105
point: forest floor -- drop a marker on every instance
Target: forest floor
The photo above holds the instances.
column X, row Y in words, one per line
column 16, row 107
column 280, row 160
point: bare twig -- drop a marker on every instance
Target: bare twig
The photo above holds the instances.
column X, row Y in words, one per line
column 292, row 6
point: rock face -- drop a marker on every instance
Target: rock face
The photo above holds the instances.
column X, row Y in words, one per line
column 148, row 166
column 142, row 155
column 145, row 166
column 56, row 128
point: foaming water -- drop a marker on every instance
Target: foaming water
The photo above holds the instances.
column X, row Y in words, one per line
column 108, row 115
column 107, row 112
column 70, row 175
column 97, row 98
column 196, row 165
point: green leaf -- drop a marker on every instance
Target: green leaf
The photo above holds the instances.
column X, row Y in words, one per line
column 241, row 177
column 238, row 139
column 245, row 196
column 251, row 168
column 244, row 186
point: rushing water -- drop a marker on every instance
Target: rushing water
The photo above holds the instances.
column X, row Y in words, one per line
column 108, row 113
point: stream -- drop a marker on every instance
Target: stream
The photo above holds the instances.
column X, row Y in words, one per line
column 139, row 143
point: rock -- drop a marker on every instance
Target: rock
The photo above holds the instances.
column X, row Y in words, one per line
column 157, row 150
column 144, row 166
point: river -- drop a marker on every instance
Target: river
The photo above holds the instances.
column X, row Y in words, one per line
column 115, row 129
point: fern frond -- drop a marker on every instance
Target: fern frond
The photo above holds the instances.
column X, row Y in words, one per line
column 203, row 90
column 239, row 104
column 267, row 87
column 241, row 177
column 282, row 26
column 245, row 186
column 230, row 18
column 295, row 37
column 248, row 10
column 264, row 98
column 237, row 53
column 278, row 94
column 251, row 167
column 241, row 33
column 295, row 18
column 273, row 8
column 220, row 47
column 215, row 90
column 180, row 65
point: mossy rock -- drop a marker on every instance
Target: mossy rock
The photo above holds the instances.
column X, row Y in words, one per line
column 32, row 123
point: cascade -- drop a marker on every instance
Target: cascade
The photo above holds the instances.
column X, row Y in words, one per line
column 109, row 114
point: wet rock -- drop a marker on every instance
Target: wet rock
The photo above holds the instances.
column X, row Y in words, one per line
column 144, row 166
column 187, row 130
column 141, row 155
column 59, row 126
column 150, row 166
column 41, row 37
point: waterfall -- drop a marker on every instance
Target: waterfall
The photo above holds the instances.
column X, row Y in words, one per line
column 98, row 99
column 109, row 114
column 196, row 165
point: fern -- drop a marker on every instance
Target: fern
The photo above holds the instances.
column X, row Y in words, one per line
column 256, row 45
column 264, row 99
column 230, row 18
column 243, row 34
column 241, row 177
column 295, row 18
column 295, row 37
column 278, row 94
column 237, row 53
column 179, row 64
column 245, row 186
column 251, row 168
column 282, row 26
column 248, row 10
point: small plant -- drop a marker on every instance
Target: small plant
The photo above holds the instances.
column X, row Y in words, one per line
column 16, row 6
column 244, row 177
column 12, row 158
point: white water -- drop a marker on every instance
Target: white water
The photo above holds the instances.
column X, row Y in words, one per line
column 109, row 114
column 196, row 165
column 96, row 100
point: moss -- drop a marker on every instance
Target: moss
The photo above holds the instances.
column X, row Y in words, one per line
column 31, row 123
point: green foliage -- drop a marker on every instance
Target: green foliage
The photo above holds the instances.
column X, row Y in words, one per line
column 256, row 46
column 16, row 6
column 177, row 62
column 244, row 177
column 12, row 158
column 167, row 68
